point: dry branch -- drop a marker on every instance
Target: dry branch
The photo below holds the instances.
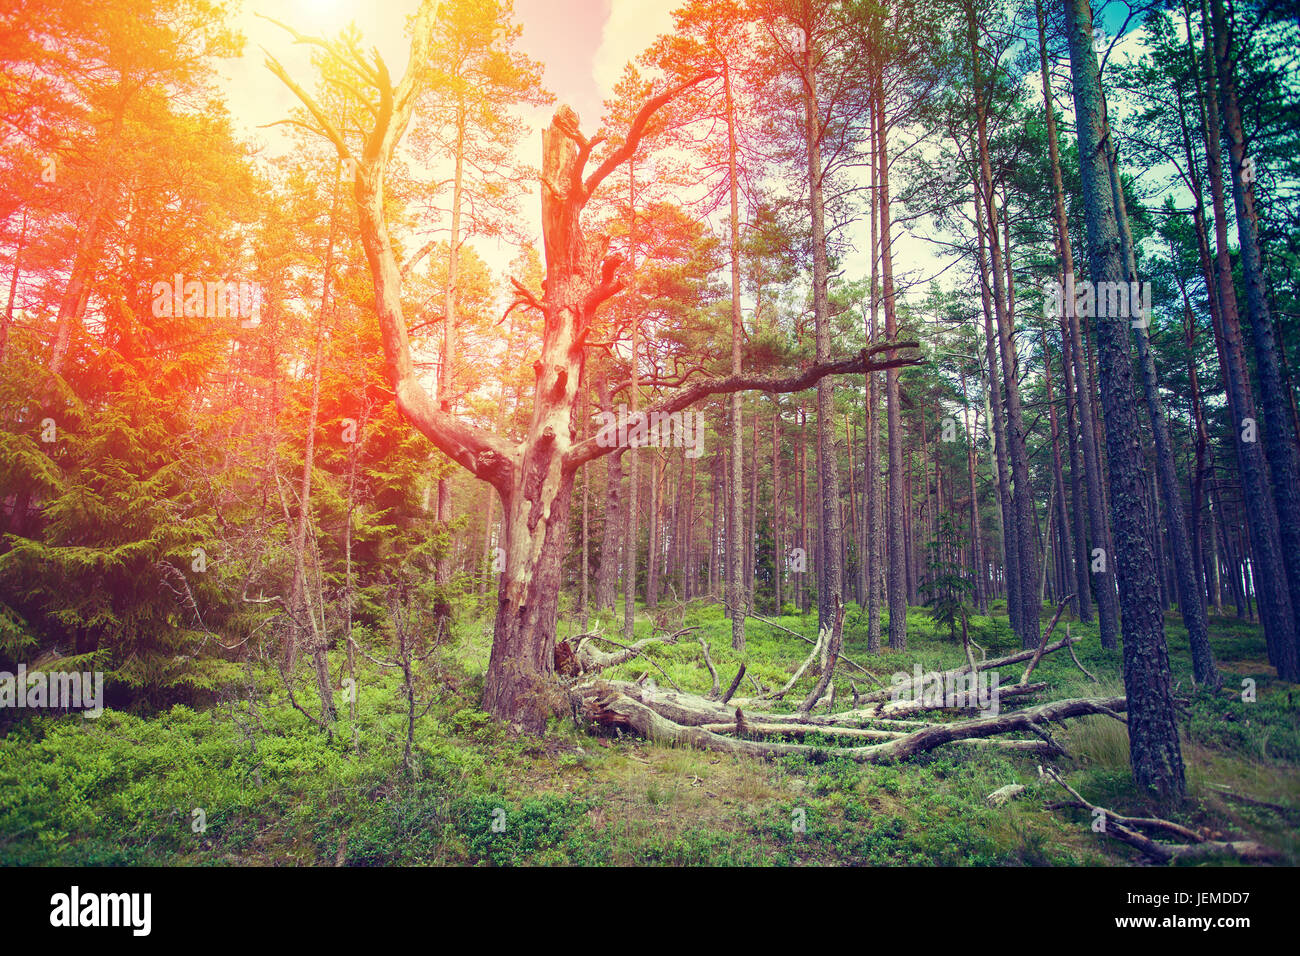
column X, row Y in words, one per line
column 910, row 689
column 731, row 691
column 862, row 363
column 716, row 689
column 1126, row 828
column 1069, row 645
column 807, row 640
column 794, row 679
column 832, row 643
column 1038, row 655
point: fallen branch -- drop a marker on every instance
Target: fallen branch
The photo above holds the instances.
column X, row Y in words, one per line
column 910, row 689
column 713, row 671
column 731, row 691
column 1253, row 802
column 1126, row 828
column 808, row 640
column 1069, row 644
column 817, row 648
column 833, row 644
column 1038, row 655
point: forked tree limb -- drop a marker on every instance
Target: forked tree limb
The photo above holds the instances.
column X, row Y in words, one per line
column 834, row 644
column 631, row 141
column 484, row 454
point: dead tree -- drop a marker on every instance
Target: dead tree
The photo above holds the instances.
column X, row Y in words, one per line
column 534, row 478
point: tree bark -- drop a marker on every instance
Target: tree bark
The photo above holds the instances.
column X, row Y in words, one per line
column 897, row 580
column 1154, row 750
column 1278, row 434
column 830, row 571
column 735, row 566
column 1189, row 598
column 1276, row 612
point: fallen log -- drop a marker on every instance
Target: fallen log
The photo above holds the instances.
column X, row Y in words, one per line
column 801, row 731
column 608, row 706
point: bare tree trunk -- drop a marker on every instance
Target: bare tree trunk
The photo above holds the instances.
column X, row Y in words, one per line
column 1069, row 327
column 446, row 385
column 1082, row 387
column 1278, row 432
column 1021, row 492
column 1189, row 599
column 871, row 473
column 830, row 571
column 612, row 537
column 534, row 477
column 1154, row 749
column 734, row 563
column 652, row 557
column 1063, row 527
column 13, row 288
column 1006, row 516
column 897, row 584
column 1275, row 608
column 72, row 304
column 976, row 545
column 586, row 495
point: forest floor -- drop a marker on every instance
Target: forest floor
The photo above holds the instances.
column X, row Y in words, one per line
column 235, row 782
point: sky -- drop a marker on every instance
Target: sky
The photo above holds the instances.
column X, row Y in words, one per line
column 582, row 44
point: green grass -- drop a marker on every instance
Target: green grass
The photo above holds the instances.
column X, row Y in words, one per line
column 272, row 790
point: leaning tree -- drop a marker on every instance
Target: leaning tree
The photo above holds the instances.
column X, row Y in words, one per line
column 534, row 477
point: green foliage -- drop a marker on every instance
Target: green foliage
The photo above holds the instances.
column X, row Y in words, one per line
column 947, row 587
